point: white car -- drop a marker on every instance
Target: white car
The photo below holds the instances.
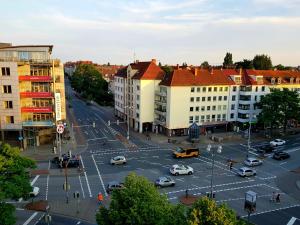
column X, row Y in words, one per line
column 277, row 142
column 251, row 161
column 181, row 169
column 118, row 160
column 35, row 191
column 246, row 172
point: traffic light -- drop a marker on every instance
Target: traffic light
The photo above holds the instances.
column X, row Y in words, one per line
column 118, row 122
column 108, row 123
column 94, row 124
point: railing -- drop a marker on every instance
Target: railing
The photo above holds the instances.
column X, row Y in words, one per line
column 160, row 93
column 44, row 123
column 35, row 78
column 33, row 109
column 157, row 111
column 30, row 94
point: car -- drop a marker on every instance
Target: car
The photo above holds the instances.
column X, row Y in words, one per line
column 118, row 160
column 114, row 185
column 186, row 152
column 267, row 148
column 35, row 191
column 246, row 172
column 251, row 161
column 164, row 181
column 281, row 155
column 277, row 142
column 179, row 169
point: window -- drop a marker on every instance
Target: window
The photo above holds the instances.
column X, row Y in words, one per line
column 137, row 106
column 10, row 119
column 192, row 89
column 198, row 99
column 208, row 99
column 198, row 89
column 256, row 89
column 204, row 89
column 215, row 98
column 5, row 71
column 214, row 108
column 137, row 97
column 224, row 107
column 138, row 87
column 215, row 89
column 225, row 88
column 208, row 108
column 221, row 89
column 220, row 98
column 197, row 109
column 191, row 109
column 234, row 88
column 232, row 106
column 203, row 99
column 202, row 118
column 219, row 107
column 8, row 104
column 225, row 98
column 137, row 115
column 202, row 108
column 191, row 120
column 263, row 88
column 231, row 115
column 207, row 118
column 6, row 89
column 209, row 89
column 192, row 99
column 219, row 117
column 255, row 98
column 224, row 117
column 213, row 117
column 233, row 97
column 197, row 119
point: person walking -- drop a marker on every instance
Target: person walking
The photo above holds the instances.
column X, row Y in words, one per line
column 100, row 198
column 278, row 198
column 230, row 165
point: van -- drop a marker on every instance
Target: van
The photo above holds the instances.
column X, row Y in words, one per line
column 186, row 152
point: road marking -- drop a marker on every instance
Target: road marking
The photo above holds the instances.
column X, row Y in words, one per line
column 292, row 221
column 79, row 222
column 101, row 181
column 42, row 216
column 34, row 180
column 94, row 139
column 282, row 163
column 83, row 195
column 274, row 210
column 172, row 198
column 87, row 181
column 47, row 183
column 30, row 218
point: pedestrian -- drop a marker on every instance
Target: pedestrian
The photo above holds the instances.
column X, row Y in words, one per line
column 230, row 165
column 273, row 198
column 278, row 198
column 186, row 193
column 100, row 198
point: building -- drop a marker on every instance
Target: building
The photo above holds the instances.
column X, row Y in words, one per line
column 214, row 98
column 33, row 93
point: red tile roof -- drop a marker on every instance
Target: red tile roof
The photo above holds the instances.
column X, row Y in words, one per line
column 147, row 71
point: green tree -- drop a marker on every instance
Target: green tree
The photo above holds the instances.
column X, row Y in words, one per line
column 245, row 64
column 14, row 179
column 140, row 203
column 167, row 69
column 262, row 62
column 184, row 64
column 278, row 107
column 228, row 63
column 206, row 211
column 279, row 67
column 205, row 65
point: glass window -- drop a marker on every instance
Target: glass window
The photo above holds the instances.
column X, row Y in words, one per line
column 197, row 119
column 203, row 99
column 208, row 99
column 233, row 97
column 223, row 116
column 208, row 108
column 232, row 106
column 256, row 89
column 219, row 117
column 204, row 89
column 225, row 98
column 198, row 99
column 192, row 89
column 209, row 89
column 198, row 89
column 232, row 115
column 234, row 88
column 7, row 89
column 5, row 71
column 225, row 88
column 191, row 119
column 191, row 109
column 202, row 108
column 221, row 89
column 215, row 89
column 192, row 99
column 215, row 98
column 213, row 117
column 219, row 107
column 220, row 98
column 263, row 88
column 213, row 107
column 9, row 119
column 202, row 118
column 207, row 118
column 224, row 107
column 8, row 104
column 197, row 108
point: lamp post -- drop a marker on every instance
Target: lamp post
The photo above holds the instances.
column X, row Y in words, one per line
column 128, row 122
column 212, row 152
column 249, row 134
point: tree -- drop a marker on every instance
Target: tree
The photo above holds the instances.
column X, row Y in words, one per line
column 159, row 64
column 228, row 63
column 167, row 69
column 184, row 64
column 14, row 179
column 206, row 211
column 245, row 64
column 262, row 62
column 205, row 65
column 279, row 107
column 139, row 202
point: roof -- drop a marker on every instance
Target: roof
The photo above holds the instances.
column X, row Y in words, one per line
column 147, row 71
column 122, row 72
column 28, row 46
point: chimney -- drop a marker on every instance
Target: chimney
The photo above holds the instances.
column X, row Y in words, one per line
column 136, row 61
column 212, row 71
column 240, row 71
column 154, row 61
column 177, row 66
column 196, row 71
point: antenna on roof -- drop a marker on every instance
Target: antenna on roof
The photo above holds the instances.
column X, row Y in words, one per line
column 134, row 56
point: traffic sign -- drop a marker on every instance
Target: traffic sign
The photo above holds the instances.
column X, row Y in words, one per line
column 60, row 128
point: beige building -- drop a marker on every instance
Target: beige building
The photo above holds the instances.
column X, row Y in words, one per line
column 33, row 93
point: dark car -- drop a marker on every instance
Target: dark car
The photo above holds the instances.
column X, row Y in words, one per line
column 114, row 185
column 281, row 155
column 267, row 148
column 73, row 162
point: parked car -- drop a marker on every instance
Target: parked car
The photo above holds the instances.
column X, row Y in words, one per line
column 281, row 155
column 178, row 169
column 267, row 148
column 277, row 142
column 165, row 181
column 114, row 185
column 118, row 160
column 246, row 172
column 251, row 161
column 186, row 152
column 35, row 191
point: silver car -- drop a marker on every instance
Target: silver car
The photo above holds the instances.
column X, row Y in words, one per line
column 246, row 172
column 165, row 181
column 118, row 160
column 251, row 161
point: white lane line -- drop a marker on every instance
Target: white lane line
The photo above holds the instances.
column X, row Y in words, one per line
column 292, row 221
column 94, row 139
column 86, row 179
column 101, row 181
column 282, row 163
column 274, row 210
column 47, row 184
column 39, row 219
column 83, row 195
column 79, row 222
column 30, row 218
column 34, row 180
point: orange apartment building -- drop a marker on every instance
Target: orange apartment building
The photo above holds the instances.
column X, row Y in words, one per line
column 32, row 94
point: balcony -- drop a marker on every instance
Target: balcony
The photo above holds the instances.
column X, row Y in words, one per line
column 161, row 93
column 36, row 78
column 160, row 112
column 161, row 121
column 44, row 123
column 160, row 102
column 47, row 109
column 30, row 94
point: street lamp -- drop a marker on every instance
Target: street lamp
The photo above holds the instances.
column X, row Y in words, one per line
column 128, row 113
column 249, row 134
column 212, row 152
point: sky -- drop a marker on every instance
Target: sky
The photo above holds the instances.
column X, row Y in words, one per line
column 171, row 31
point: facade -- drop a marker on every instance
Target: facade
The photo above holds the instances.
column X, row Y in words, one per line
column 33, row 93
